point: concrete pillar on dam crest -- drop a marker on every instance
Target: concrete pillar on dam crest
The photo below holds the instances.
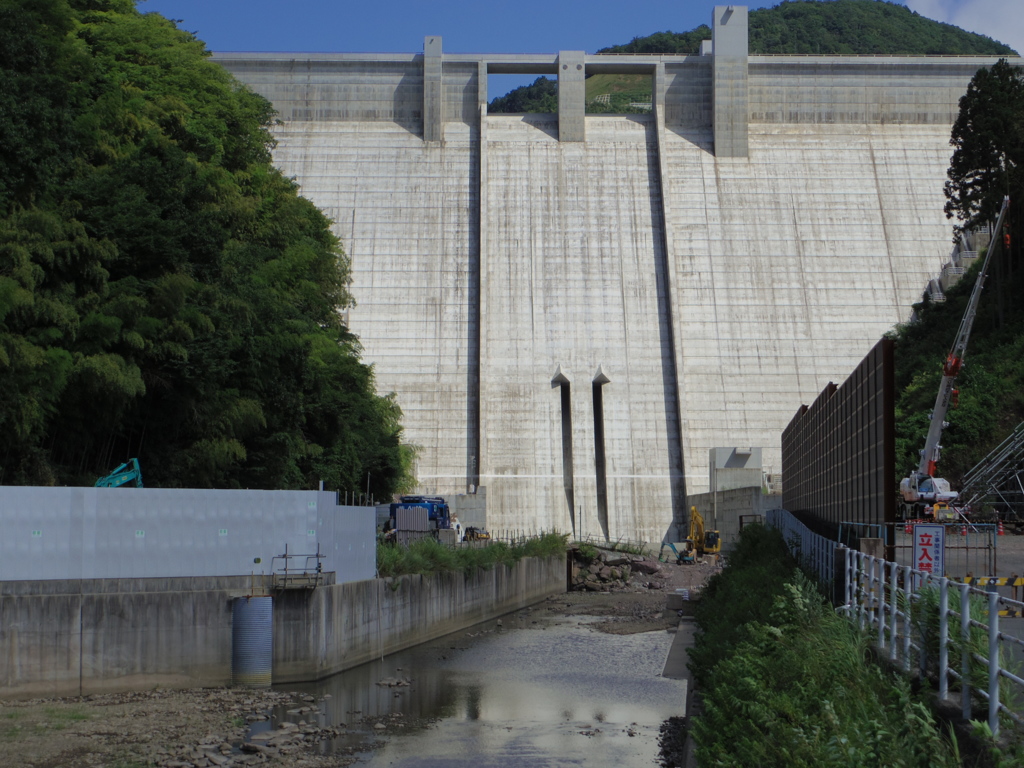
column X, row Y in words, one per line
column 730, row 45
column 433, row 93
column 572, row 95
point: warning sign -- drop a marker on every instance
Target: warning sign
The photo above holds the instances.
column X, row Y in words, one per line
column 929, row 548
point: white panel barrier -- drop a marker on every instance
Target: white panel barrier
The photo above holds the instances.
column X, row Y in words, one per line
column 130, row 533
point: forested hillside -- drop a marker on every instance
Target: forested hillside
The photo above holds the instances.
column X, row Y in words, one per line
column 795, row 26
column 987, row 164
column 164, row 291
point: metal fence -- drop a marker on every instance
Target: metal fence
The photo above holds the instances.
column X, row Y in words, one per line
column 912, row 624
column 909, row 616
column 970, row 548
column 814, row 552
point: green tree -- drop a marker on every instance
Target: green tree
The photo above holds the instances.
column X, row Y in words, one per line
column 988, row 141
column 164, row 291
column 541, row 96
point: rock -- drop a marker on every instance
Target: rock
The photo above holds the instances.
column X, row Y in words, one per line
column 646, row 566
column 379, row 727
column 616, row 560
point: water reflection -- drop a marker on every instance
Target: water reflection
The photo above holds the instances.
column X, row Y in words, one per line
column 546, row 692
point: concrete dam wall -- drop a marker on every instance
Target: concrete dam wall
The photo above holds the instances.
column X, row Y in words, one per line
column 573, row 309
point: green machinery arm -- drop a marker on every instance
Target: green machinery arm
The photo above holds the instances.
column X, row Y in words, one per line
column 128, row 473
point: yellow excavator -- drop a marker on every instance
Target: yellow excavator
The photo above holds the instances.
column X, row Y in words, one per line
column 699, row 541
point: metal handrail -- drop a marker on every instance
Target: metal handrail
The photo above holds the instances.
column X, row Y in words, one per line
column 309, row 576
column 879, row 596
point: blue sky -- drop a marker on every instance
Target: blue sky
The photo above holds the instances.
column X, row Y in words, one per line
column 486, row 26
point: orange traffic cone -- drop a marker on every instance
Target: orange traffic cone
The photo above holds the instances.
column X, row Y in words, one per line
column 908, row 527
column 999, row 529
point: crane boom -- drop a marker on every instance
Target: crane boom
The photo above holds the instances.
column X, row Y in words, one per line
column 954, row 362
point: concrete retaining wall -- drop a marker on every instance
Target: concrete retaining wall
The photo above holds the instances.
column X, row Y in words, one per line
column 348, row 624
column 78, row 637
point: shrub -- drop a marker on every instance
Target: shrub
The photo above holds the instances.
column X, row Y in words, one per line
column 430, row 556
column 786, row 681
column 742, row 592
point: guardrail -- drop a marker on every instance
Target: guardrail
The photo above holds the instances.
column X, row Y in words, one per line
column 814, row 552
column 909, row 614
column 291, row 571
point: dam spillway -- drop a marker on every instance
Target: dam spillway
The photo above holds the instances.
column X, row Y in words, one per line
column 573, row 309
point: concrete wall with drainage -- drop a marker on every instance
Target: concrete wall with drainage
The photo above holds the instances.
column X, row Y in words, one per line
column 78, row 637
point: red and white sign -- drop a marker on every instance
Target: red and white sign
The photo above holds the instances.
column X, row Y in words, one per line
column 929, row 548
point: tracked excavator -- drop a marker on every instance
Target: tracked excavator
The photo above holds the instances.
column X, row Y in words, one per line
column 923, row 494
column 699, row 541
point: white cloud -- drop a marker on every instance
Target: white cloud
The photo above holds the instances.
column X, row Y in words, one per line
column 1002, row 20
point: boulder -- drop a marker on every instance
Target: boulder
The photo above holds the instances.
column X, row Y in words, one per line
column 646, row 566
column 616, row 559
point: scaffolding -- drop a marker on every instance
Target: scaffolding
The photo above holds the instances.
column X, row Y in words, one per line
column 997, row 481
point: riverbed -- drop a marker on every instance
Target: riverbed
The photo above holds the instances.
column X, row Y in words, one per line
column 530, row 690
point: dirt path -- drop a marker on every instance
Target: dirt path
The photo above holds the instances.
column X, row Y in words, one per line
column 209, row 727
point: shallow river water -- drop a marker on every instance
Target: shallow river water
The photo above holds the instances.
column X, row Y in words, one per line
column 532, row 691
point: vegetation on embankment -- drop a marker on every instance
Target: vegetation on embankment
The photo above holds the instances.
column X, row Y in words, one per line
column 987, row 164
column 430, row 556
column 791, row 27
column 990, row 400
column 165, row 292
column 786, row 681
